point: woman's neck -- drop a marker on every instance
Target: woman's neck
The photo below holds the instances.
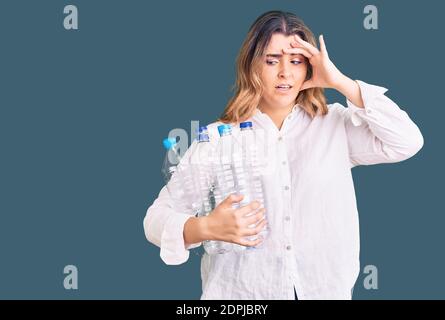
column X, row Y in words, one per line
column 277, row 114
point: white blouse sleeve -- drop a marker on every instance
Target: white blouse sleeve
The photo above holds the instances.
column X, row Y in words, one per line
column 380, row 132
column 164, row 227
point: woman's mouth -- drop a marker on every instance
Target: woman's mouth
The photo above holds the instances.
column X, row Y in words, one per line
column 283, row 88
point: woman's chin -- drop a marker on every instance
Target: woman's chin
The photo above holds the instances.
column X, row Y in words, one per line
column 279, row 102
column 285, row 103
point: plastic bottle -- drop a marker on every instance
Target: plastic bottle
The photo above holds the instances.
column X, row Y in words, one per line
column 251, row 184
column 179, row 180
column 228, row 162
column 202, row 161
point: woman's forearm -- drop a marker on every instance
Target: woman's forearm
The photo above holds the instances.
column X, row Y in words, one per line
column 351, row 90
column 196, row 230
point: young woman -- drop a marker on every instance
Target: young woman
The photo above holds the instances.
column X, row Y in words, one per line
column 313, row 244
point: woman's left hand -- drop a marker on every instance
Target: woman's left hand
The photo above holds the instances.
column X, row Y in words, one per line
column 324, row 73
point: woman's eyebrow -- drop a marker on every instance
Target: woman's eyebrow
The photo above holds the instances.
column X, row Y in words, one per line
column 279, row 55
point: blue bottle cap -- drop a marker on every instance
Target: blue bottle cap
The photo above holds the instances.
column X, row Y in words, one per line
column 203, row 134
column 203, row 137
column 169, row 143
column 224, row 128
column 245, row 124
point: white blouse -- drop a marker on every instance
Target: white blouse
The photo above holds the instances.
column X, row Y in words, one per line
column 313, row 242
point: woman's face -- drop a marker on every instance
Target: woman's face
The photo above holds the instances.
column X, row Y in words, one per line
column 281, row 74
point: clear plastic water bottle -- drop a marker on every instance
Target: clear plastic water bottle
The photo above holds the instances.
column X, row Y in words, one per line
column 226, row 170
column 179, row 180
column 251, row 184
column 202, row 160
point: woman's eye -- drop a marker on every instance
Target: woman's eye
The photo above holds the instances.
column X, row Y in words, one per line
column 273, row 62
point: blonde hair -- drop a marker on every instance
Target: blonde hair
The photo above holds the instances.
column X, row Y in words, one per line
column 248, row 85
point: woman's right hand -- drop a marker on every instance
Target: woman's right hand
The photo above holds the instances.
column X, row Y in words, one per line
column 226, row 223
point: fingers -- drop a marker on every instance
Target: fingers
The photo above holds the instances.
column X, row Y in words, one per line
column 259, row 227
column 307, row 85
column 323, row 45
column 230, row 200
column 248, row 208
column 313, row 50
column 253, row 219
column 302, row 51
column 251, row 243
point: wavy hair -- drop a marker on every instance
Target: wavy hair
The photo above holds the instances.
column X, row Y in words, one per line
column 248, row 86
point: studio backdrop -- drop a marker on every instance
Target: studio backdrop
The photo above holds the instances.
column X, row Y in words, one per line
column 89, row 89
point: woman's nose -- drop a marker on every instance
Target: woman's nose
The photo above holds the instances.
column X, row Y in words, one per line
column 284, row 72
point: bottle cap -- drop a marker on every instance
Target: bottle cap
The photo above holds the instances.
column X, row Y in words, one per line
column 169, row 142
column 245, row 124
column 224, row 129
column 203, row 134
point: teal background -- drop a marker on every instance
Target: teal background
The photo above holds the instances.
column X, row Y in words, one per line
column 82, row 115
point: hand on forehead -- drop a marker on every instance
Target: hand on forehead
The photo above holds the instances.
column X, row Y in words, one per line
column 279, row 43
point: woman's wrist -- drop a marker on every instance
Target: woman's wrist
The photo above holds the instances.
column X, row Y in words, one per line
column 341, row 83
column 196, row 229
column 205, row 228
column 351, row 90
